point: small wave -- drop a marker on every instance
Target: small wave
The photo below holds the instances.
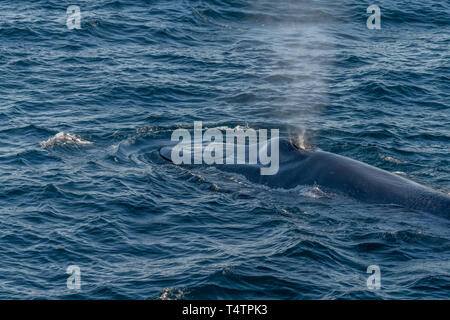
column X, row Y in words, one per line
column 64, row 139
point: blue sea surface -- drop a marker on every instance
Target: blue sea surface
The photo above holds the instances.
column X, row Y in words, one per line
column 82, row 112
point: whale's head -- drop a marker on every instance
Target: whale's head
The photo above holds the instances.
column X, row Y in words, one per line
column 288, row 149
column 274, row 163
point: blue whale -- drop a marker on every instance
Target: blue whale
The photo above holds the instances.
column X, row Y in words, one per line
column 340, row 175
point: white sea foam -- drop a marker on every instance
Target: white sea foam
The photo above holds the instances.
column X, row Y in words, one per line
column 173, row 293
column 391, row 159
column 317, row 193
column 64, row 139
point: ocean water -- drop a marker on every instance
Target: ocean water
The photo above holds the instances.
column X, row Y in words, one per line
column 82, row 112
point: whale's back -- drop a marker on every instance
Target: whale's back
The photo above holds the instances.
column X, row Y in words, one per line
column 340, row 175
column 374, row 185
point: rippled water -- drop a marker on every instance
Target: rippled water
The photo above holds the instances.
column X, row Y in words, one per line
column 83, row 111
